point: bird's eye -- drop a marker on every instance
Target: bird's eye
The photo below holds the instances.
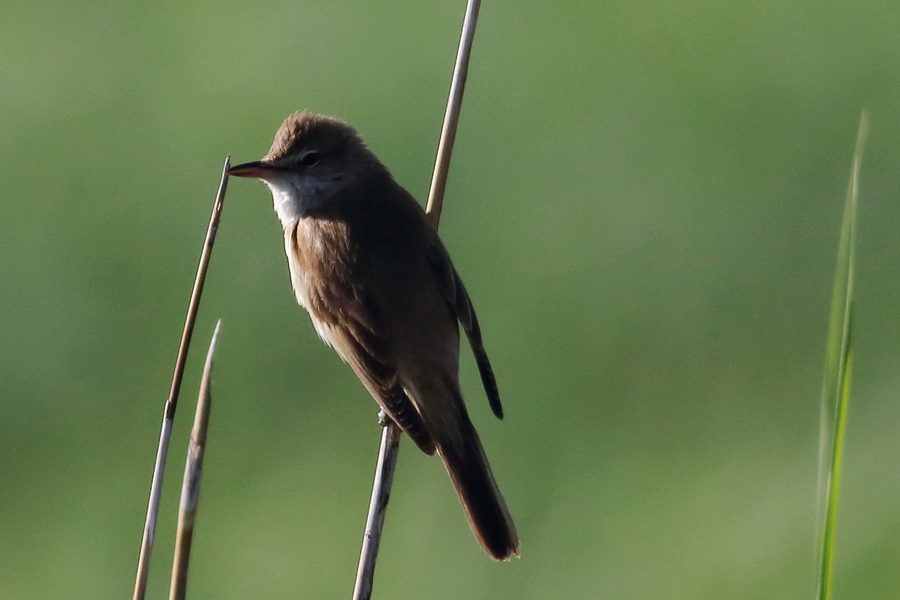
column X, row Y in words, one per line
column 309, row 159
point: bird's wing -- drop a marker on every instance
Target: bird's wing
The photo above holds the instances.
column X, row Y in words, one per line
column 454, row 291
column 347, row 319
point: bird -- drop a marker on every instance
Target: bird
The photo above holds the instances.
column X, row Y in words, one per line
column 381, row 290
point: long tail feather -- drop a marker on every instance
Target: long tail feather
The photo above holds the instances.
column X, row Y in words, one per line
column 488, row 516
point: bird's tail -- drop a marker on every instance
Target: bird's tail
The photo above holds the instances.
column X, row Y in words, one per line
column 488, row 516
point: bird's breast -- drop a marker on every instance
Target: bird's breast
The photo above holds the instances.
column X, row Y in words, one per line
column 320, row 260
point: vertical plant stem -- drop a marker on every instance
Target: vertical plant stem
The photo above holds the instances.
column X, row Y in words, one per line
column 381, row 492
column 836, row 386
column 193, row 471
column 390, row 435
column 826, row 577
column 451, row 115
column 140, row 582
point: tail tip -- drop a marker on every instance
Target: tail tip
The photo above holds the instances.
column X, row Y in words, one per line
column 503, row 552
column 508, row 556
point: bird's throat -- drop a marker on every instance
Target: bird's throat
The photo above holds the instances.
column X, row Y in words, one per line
column 294, row 197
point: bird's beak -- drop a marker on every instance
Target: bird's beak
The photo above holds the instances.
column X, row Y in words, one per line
column 258, row 169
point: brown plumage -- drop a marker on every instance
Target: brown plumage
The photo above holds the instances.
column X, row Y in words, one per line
column 380, row 288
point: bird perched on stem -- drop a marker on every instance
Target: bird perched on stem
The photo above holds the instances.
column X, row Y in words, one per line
column 381, row 290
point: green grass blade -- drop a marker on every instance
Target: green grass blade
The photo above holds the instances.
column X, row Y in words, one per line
column 836, row 387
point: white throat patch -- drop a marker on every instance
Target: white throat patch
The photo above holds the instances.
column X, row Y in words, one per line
column 293, row 196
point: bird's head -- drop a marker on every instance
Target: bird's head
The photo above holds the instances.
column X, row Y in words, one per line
column 312, row 159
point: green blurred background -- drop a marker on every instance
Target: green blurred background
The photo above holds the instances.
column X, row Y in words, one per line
column 644, row 203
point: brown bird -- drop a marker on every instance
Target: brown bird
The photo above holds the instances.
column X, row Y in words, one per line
column 381, row 290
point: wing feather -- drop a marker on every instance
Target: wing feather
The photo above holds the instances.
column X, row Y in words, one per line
column 454, row 291
column 347, row 319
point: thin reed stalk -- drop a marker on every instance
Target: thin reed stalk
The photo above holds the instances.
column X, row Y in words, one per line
column 193, row 472
column 140, row 582
column 836, row 386
column 390, row 435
